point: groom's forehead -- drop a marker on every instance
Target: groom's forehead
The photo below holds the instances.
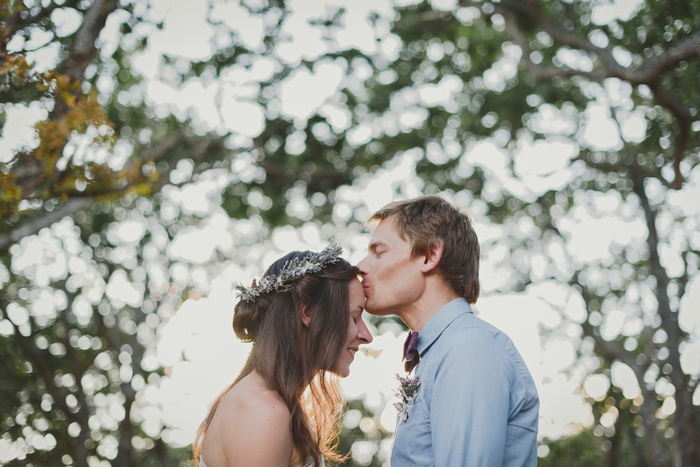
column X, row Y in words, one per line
column 390, row 228
column 386, row 233
column 383, row 231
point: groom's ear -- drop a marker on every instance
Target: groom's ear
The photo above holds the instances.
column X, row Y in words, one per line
column 432, row 257
column 305, row 315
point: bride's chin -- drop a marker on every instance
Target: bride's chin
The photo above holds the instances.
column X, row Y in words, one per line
column 343, row 371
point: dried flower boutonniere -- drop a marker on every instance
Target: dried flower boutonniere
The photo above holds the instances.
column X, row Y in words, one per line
column 407, row 392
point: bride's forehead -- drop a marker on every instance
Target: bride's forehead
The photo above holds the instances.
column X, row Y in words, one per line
column 355, row 286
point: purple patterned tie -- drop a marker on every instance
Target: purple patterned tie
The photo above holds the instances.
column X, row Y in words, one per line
column 410, row 351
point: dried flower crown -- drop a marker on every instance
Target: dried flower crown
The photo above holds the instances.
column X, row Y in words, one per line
column 291, row 271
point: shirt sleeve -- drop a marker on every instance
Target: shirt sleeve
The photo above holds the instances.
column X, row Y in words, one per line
column 470, row 401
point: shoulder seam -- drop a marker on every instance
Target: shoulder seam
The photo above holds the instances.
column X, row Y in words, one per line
column 519, row 363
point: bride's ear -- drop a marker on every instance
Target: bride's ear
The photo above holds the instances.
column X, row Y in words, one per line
column 305, row 315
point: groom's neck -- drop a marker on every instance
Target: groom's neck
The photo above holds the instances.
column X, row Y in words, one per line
column 433, row 298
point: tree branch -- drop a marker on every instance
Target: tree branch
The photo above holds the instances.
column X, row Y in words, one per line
column 649, row 73
column 198, row 149
column 685, row 277
column 540, row 72
column 646, row 74
column 82, row 52
column 78, row 369
column 609, row 348
column 654, row 67
column 685, row 417
column 45, row 372
column 683, row 119
column 620, row 168
column 41, row 220
column 564, row 37
column 655, row 452
column 7, row 31
column 83, row 49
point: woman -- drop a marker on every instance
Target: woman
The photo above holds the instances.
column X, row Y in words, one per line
column 304, row 319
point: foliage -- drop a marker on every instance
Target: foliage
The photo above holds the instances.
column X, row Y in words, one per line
column 580, row 450
column 363, row 437
column 477, row 96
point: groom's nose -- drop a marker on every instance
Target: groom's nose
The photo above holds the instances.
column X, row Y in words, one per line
column 362, row 266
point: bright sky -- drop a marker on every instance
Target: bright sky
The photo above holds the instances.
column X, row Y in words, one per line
column 197, row 345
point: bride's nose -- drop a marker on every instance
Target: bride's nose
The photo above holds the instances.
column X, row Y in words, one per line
column 363, row 333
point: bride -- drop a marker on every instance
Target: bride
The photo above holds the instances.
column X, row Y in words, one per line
column 304, row 319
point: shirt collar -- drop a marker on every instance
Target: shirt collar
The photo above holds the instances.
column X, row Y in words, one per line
column 439, row 321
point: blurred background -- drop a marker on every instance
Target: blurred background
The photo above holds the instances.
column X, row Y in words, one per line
column 154, row 153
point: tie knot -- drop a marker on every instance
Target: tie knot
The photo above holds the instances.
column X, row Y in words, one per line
column 410, row 351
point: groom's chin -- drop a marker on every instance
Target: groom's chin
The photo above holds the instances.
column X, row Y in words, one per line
column 376, row 311
column 370, row 309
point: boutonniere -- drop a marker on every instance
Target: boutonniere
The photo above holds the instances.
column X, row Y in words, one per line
column 407, row 392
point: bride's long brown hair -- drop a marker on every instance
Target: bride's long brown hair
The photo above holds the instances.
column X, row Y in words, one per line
column 273, row 324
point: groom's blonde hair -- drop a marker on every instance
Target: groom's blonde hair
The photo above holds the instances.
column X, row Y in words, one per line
column 429, row 221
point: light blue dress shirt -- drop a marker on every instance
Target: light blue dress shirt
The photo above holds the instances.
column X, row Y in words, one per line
column 477, row 405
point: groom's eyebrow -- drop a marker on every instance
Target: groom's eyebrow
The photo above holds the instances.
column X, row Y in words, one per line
column 373, row 246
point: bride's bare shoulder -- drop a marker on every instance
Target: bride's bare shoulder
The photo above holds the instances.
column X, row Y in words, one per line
column 252, row 398
column 251, row 426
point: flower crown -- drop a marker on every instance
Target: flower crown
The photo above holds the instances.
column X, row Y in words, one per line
column 291, row 271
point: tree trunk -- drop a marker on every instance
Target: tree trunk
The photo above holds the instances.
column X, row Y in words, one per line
column 686, row 435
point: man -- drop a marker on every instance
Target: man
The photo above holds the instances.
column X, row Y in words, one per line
column 477, row 404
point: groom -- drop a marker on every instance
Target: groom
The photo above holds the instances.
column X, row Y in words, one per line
column 477, row 404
